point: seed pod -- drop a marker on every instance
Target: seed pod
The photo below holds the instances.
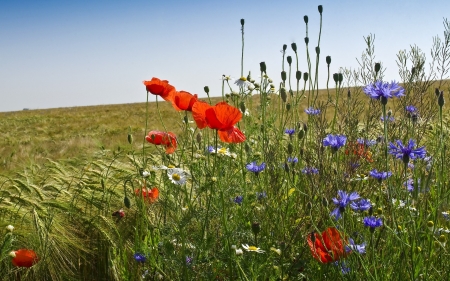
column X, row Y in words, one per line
column 305, row 76
column 318, row 50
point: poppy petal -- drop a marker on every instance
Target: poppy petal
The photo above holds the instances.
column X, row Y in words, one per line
column 233, row 135
column 226, row 116
column 318, row 251
column 160, row 88
column 25, row 258
column 155, row 137
column 198, row 113
column 184, row 100
column 333, row 242
column 171, row 143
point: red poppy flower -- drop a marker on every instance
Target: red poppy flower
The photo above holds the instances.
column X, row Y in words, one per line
column 359, row 150
column 24, row 258
column 160, row 88
column 149, row 194
column 169, row 140
column 328, row 247
column 221, row 117
column 183, row 101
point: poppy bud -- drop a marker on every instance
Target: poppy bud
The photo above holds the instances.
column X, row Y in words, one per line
column 242, row 106
column 286, row 167
column 318, row 50
column 290, row 148
column 298, row 75
column 305, row 18
column 130, row 138
column 283, row 94
column 262, row 66
column 185, row 119
column 309, row 205
column 294, row 47
column 324, row 201
column 199, row 137
column 127, row 202
column 320, row 8
column 335, row 77
column 256, row 227
column 328, row 60
column 441, row 99
column 305, row 128
column 284, row 47
column 306, row 40
column 206, row 88
column 340, row 78
column 283, row 75
column 436, row 92
column 288, row 106
column 289, row 59
column 242, row 22
column 377, row 67
column 305, row 76
column 301, row 134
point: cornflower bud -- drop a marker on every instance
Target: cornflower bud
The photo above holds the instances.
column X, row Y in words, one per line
column 294, row 47
column 320, row 8
column 328, row 60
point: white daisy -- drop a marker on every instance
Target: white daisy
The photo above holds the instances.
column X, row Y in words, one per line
column 10, row 228
column 177, row 176
column 278, row 251
column 252, row 248
column 239, row 252
column 242, row 82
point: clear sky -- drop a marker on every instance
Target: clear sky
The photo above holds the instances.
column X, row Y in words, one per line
column 75, row 53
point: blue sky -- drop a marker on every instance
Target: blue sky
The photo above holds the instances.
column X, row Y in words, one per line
column 76, row 53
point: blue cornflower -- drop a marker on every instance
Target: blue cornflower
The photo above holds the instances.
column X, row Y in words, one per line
column 407, row 152
column 366, row 142
column 140, row 257
column 335, row 141
column 361, row 249
column 312, row 111
column 390, row 118
column 238, row 199
column 379, row 175
column 293, row 160
column 342, row 202
column 261, row 195
column 410, row 109
column 310, row 171
column 361, row 205
column 290, row 132
column 373, row 222
column 344, row 268
column 409, row 185
column 188, row 260
column 211, row 149
column 383, row 91
column 255, row 168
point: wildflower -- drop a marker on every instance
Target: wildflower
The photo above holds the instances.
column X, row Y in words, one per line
column 359, row 150
column 290, row 132
column 177, row 176
column 344, row 268
column 278, row 251
column 410, row 109
column 183, row 100
column 24, row 258
column 398, row 203
column 261, row 195
column 252, row 248
column 145, row 174
column 312, row 111
column 335, row 142
column 383, row 91
column 169, row 140
column 160, row 88
column 372, row 222
column 361, row 205
column 221, row 117
column 139, row 257
column 406, row 152
column 310, row 171
column 188, row 260
column 242, row 82
column 430, row 225
column 360, row 249
column 446, row 215
column 328, row 247
column 255, row 168
column 10, row 228
column 409, row 184
column 293, row 160
column 388, row 118
column 366, row 142
column 148, row 194
column 238, row 199
column 239, row 252
column 119, row 214
column 342, row 202
column 379, row 175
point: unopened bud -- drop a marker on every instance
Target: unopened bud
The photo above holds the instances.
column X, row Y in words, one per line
column 441, row 99
column 283, row 94
column 340, row 78
column 242, row 21
column 301, row 134
column 127, row 202
column 284, row 47
column 242, row 106
column 318, row 50
column 320, row 8
column 256, row 227
column 283, row 75
column 206, row 88
column 199, row 137
column 262, row 66
column 377, row 67
column 289, row 59
column 379, row 211
column 436, row 92
column 328, row 60
column 288, row 106
column 305, row 18
column 349, row 94
column 298, row 75
column 306, row 40
column 305, row 76
column 290, row 148
column 294, row 47
column 335, row 78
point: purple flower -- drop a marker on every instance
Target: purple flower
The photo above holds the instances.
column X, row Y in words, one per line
column 255, row 168
column 407, row 152
column 409, row 185
column 383, row 91
column 312, row 111
column 261, row 195
column 310, row 171
column 342, row 202
column 366, row 142
column 360, row 249
column 373, row 222
column 410, row 109
column 293, row 160
column 188, row 260
column 344, row 268
column 238, row 199
column 140, row 257
column 290, row 132
column 361, row 205
column 334, row 141
column 379, row 175
column 390, row 118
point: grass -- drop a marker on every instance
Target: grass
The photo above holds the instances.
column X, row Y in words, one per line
column 74, row 172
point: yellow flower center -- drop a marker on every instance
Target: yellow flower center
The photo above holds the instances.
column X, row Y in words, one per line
column 176, row 177
column 171, row 166
column 223, row 150
column 252, row 248
column 243, row 78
